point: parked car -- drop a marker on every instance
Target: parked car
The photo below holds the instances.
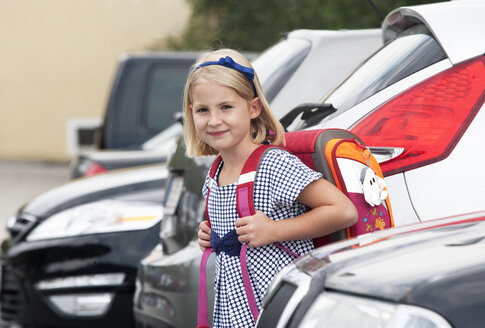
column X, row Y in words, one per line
column 167, row 288
column 428, row 274
column 416, row 102
column 73, row 251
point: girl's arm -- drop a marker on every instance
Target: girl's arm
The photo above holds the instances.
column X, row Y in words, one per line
column 330, row 211
column 204, row 235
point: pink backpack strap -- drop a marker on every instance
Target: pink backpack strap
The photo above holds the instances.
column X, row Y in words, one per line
column 245, row 183
column 203, row 311
column 245, row 207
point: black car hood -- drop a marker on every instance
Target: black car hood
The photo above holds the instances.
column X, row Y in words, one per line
column 442, row 257
column 102, row 186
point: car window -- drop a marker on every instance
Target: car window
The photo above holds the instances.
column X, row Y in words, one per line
column 277, row 64
column 393, row 62
column 165, row 95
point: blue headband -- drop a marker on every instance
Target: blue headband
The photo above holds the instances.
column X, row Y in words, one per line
column 248, row 72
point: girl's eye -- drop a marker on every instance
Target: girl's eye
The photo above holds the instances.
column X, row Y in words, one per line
column 226, row 107
column 201, row 110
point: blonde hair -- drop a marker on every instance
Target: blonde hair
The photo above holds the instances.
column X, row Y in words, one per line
column 234, row 79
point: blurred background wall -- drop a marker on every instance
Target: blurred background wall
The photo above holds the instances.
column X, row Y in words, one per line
column 57, row 61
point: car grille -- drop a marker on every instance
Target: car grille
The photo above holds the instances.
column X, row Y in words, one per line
column 10, row 297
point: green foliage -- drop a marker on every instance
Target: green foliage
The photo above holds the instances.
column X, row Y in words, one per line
column 254, row 25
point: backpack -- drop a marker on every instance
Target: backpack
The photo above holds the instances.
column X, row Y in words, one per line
column 344, row 160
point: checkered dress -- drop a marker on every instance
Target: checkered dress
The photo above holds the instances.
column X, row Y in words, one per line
column 280, row 179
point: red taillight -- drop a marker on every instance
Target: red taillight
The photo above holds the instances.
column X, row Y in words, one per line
column 427, row 120
column 94, row 168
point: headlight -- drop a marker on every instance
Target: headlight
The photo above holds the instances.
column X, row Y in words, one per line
column 99, row 217
column 338, row 310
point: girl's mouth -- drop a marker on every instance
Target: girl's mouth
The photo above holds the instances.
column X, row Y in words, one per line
column 216, row 133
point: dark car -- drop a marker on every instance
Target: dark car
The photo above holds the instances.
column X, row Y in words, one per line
column 429, row 274
column 73, row 251
column 167, row 288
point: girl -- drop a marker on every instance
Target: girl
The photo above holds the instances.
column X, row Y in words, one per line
column 226, row 114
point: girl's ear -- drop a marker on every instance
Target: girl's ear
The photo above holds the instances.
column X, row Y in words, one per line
column 255, row 107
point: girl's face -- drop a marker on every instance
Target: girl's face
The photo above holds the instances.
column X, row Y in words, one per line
column 222, row 117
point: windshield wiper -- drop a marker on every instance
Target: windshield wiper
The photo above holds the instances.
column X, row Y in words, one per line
column 312, row 112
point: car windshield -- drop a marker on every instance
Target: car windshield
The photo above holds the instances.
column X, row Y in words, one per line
column 392, row 63
column 277, row 64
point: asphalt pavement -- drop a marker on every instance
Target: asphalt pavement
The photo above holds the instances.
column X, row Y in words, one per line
column 20, row 181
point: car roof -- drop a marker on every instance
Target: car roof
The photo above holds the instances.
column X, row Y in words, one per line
column 445, row 20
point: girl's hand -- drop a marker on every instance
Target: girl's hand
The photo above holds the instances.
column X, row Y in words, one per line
column 257, row 230
column 204, row 235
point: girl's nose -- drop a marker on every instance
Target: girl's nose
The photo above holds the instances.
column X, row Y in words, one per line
column 214, row 118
